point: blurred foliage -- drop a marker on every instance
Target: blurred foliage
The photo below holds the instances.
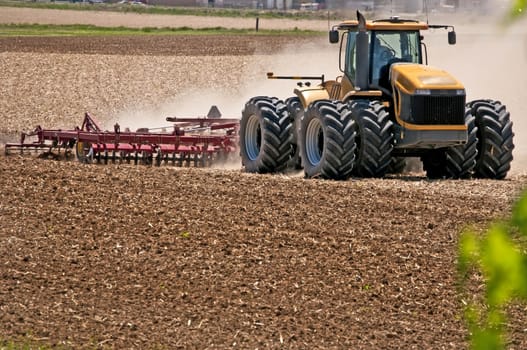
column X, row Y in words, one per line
column 500, row 256
column 519, row 8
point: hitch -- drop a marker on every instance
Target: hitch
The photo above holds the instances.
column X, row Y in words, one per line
column 270, row 75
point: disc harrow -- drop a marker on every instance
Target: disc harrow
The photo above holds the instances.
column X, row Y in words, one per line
column 191, row 141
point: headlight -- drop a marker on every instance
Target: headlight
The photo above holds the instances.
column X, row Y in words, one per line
column 423, row 92
column 460, row 92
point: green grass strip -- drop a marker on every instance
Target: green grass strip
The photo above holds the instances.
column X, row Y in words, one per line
column 91, row 30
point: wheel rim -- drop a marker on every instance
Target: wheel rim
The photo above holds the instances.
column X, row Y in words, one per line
column 80, row 149
column 253, row 137
column 314, row 142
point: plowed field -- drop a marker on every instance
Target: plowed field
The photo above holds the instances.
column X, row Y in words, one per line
column 125, row 257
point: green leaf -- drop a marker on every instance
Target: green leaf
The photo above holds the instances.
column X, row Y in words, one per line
column 503, row 266
column 501, row 257
column 468, row 252
column 486, row 333
column 519, row 8
column 487, row 339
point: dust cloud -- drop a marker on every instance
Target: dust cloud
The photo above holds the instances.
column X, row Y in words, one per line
column 192, row 103
column 309, row 59
column 490, row 58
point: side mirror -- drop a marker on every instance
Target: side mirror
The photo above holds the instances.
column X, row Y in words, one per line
column 333, row 36
column 452, row 37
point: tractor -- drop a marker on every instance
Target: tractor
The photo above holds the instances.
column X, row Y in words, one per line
column 387, row 105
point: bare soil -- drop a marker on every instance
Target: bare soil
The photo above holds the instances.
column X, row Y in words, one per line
column 142, row 257
column 139, row 257
column 158, row 45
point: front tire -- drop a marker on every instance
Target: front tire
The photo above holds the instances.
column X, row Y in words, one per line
column 265, row 135
column 397, row 165
column 454, row 162
column 495, row 136
column 327, row 141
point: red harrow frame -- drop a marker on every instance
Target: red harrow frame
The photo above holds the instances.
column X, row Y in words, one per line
column 199, row 142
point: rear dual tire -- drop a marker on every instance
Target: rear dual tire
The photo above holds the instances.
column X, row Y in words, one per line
column 374, row 138
column 323, row 140
column 327, row 141
column 340, row 140
column 265, row 135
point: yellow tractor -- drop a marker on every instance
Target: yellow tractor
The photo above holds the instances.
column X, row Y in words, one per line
column 387, row 105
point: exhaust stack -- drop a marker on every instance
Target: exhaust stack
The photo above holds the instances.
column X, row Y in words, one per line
column 362, row 42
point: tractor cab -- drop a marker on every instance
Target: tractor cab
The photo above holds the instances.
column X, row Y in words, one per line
column 370, row 49
column 383, row 61
column 385, row 47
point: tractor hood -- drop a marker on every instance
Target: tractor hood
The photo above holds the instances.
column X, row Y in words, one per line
column 427, row 97
column 411, row 78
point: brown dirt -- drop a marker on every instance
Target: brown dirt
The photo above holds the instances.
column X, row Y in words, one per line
column 159, row 45
column 139, row 257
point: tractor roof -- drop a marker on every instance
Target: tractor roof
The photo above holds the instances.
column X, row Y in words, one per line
column 393, row 23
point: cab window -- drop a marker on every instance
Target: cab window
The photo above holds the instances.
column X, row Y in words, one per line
column 351, row 65
column 388, row 47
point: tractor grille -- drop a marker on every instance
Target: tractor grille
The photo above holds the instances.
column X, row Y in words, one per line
column 433, row 109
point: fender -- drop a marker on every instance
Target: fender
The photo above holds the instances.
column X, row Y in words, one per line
column 309, row 95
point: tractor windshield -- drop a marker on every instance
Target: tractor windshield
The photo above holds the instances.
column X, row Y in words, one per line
column 388, row 47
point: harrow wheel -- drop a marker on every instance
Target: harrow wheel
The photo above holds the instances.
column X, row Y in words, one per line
column 495, row 139
column 265, row 135
column 327, row 141
column 82, row 151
